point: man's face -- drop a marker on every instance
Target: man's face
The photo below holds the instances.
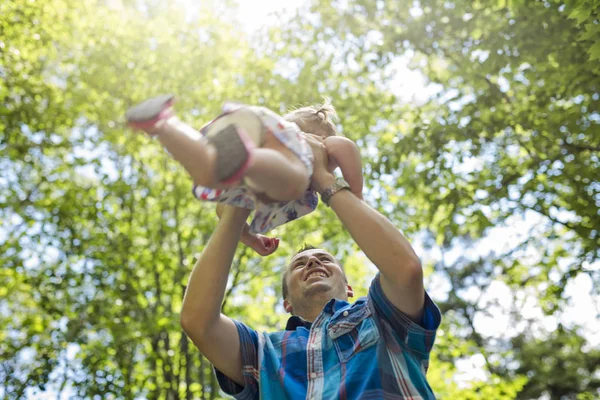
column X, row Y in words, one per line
column 315, row 275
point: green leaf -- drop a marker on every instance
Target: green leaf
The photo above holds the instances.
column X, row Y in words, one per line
column 595, row 51
column 580, row 13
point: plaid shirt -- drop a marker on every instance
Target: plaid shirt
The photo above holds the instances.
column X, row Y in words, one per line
column 366, row 350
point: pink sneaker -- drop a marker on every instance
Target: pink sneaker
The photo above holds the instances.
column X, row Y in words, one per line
column 148, row 114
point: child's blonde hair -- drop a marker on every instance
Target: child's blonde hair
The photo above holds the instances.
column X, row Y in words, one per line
column 318, row 119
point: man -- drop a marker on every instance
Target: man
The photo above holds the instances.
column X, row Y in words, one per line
column 377, row 347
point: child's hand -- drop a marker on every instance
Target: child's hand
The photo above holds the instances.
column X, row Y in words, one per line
column 263, row 245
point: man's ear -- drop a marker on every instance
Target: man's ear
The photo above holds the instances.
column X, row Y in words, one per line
column 287, row 306
column 349, row 291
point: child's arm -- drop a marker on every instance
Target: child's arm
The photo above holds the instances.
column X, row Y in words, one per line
column 344, row 153
column 263, row 245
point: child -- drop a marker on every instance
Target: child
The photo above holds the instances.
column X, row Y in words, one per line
column 252, row 158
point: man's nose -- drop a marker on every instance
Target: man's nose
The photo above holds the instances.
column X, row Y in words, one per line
column 312, row 262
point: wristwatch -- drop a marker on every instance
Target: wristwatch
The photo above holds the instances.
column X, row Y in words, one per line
column 339, row 184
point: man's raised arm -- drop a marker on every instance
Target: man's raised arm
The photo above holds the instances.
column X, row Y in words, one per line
column 378, row 238
column 214, row 334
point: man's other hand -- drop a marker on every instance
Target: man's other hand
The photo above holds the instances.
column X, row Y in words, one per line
column 321, row 178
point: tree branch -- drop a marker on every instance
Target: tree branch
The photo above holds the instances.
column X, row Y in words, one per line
column 236, row 277
column 580, row 147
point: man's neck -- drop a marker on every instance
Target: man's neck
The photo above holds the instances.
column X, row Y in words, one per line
column 310, row 308
column 311, row 312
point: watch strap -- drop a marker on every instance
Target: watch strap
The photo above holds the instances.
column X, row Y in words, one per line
column 339, row 184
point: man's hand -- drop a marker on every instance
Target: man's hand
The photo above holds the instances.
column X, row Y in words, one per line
column 321, row 178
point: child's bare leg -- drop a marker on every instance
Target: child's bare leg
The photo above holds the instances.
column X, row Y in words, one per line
column 272, row 169
column 277, row 172
column 155, row 117
column 190, row 149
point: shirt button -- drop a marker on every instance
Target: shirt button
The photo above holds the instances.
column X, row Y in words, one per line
column 313, row 375
column 345, row 313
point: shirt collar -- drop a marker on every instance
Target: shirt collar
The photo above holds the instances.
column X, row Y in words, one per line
column 295, row 322
column 334, row 305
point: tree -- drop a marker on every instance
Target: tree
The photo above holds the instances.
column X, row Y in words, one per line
column 512, row 131
column 99, row 230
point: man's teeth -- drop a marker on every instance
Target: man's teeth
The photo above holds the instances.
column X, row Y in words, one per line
column 321, row 274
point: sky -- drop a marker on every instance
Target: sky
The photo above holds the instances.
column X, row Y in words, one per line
column 411, row 86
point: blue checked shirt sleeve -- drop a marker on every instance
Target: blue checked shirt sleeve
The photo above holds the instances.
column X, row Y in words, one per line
column 415, row 337
column 249, row 349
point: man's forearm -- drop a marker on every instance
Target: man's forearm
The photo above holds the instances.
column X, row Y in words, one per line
column 387, row 248
column 377, row 237
column 208, row 280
